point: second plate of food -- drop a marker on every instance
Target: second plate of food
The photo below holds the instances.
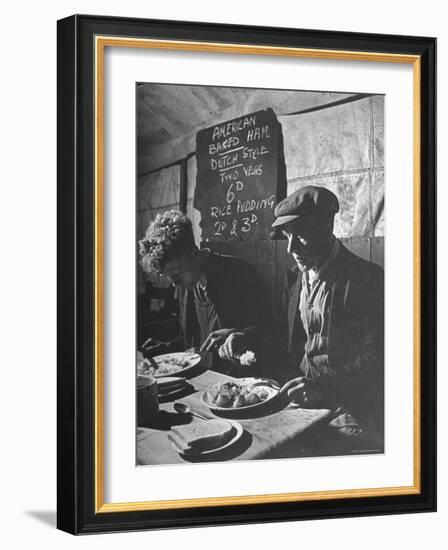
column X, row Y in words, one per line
column 171, row 364
column 241, row 397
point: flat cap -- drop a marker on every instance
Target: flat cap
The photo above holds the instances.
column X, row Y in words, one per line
column 307, row 201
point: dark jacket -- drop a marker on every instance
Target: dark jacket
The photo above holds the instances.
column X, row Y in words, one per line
column 236, row 290
column 353, row 368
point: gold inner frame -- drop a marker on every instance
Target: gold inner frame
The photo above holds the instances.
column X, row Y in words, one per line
column 101, row 42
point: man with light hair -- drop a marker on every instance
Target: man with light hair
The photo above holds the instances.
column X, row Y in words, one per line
column 220, row 297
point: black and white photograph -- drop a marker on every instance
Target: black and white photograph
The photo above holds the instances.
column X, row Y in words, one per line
column 222, row 238
column 238, row 341
column 260, row 233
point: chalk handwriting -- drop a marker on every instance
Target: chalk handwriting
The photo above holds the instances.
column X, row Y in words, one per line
column 224, row 130
column 258, row 133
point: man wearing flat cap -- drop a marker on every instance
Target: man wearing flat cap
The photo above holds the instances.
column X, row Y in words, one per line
column 334, row 307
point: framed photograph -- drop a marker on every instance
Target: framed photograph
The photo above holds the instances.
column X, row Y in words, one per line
column 246, row 274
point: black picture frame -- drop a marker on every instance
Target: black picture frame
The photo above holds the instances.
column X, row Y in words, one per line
column 76, row 511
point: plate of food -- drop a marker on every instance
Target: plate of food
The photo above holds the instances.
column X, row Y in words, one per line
column 168, row 364
column 240, row 396
column 205, row 438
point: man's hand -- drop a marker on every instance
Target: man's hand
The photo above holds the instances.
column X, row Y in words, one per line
column 216, row 339
column 234, row 345
column 306, row 393
column 154, row 347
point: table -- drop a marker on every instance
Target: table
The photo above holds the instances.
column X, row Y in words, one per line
column 264, row 437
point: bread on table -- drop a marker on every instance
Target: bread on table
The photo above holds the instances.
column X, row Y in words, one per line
column 202, row 436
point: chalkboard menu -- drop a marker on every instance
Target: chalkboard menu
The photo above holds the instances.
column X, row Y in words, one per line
column 241, row 177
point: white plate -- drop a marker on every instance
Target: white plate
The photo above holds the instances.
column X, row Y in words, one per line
column 171, row 395
column 194, row 359
column 239, row 430
column 169, row 383
column 253, row 382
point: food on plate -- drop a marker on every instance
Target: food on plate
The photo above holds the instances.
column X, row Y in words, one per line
column 140, row 362
column 166, row 365
column 225, row 395
column 239, row 393
column 202, row 436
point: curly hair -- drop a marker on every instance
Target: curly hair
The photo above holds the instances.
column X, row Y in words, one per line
column 169, row 235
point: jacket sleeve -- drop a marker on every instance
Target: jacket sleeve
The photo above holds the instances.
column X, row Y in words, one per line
column 360, row 365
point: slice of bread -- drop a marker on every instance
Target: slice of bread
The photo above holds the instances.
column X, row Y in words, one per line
column 202, row 435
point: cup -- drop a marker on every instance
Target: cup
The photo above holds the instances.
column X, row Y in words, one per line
column 147, row 400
